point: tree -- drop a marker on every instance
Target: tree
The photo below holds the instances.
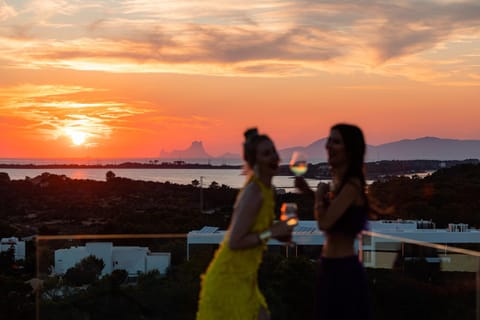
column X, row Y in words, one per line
column 214, row 185
column 85, row 272
column 109, row 176
column 4, row 177
column 7, row 259
column 118, row 276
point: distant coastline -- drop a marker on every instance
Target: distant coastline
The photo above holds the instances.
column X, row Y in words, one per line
column 123, row 165
column 318, row 171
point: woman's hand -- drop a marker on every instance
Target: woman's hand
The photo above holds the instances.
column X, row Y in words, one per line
column 322, row 190
column 303, row 186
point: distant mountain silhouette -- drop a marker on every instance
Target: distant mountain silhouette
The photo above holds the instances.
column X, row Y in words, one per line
column 429, row 148
column 195, row 151
column 315, row 152
column 229, row 155
column 426, row 148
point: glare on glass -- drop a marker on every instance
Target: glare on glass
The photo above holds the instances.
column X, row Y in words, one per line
column 298, row 163
column 289, row 213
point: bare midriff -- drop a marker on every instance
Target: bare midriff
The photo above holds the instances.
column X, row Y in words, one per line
column 338, row 245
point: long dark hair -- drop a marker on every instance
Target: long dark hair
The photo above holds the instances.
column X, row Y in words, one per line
column 252, row 139
column 355, row 148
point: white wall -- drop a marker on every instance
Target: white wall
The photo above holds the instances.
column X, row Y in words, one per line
column 68, row 258
column 159, row 261
column 132, row 259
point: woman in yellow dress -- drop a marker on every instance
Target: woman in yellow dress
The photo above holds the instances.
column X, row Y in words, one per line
column 229, row 286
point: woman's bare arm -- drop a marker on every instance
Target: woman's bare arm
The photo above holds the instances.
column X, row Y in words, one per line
column 245, row 211
column 327, row 214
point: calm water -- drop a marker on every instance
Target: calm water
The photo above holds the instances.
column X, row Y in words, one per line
column 229, row 177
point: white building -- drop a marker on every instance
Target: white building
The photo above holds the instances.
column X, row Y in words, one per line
column 388, row 239
column 17, row 245
column 132, row 259
column 380, row 246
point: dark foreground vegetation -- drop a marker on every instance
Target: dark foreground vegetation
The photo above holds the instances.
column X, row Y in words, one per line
column 53, row 204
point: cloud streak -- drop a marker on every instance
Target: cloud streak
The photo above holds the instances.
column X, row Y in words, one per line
column 53, row 111
column 268, row 38
column 190, row 122
column 6, row 11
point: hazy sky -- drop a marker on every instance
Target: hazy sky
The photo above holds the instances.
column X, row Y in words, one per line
column 130, row 78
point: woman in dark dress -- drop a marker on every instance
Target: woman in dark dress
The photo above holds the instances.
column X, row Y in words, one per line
column 342, row 288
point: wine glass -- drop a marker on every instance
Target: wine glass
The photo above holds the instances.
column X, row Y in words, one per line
column 298, row 163
column 289, row 214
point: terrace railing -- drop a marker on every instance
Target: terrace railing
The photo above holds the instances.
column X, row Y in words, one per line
column 148, row 276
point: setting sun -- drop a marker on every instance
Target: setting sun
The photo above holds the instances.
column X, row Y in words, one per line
column 78, row 137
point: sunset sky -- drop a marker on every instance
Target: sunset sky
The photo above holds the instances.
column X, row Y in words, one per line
column 90, row 78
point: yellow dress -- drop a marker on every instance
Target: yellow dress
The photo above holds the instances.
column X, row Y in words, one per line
column 229, row 287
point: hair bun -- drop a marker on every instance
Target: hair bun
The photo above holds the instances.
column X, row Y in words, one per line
column 252, row 132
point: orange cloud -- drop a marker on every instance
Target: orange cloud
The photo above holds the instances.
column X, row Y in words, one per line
column 52, row 112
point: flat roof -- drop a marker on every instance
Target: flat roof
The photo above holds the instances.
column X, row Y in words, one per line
column 307, row 233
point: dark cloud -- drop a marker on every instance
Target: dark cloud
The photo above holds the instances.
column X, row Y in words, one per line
column 419, row 26
column 273, row 35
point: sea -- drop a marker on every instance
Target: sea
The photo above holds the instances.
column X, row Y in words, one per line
column 234, row 178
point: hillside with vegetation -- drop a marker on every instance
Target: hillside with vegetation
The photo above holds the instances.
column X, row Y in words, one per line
column 52, row 204
column 448, row 195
